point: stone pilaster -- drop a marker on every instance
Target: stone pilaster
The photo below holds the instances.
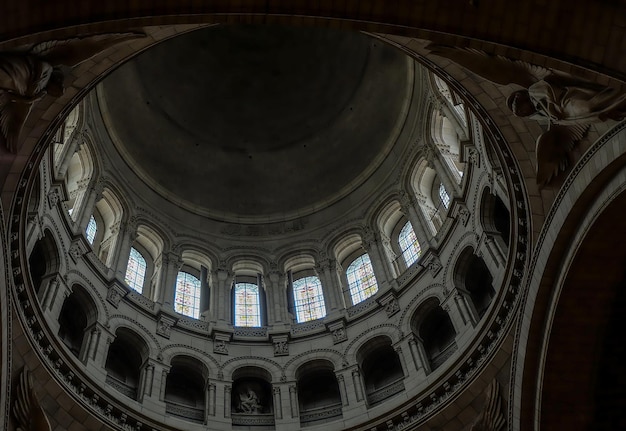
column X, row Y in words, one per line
column 170, row 263
column 326, row 269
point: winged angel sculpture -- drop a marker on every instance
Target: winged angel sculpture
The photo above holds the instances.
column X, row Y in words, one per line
column 26, row 408
column 568, row 105
column 27, row 75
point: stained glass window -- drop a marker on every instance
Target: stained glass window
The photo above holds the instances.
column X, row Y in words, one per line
column 91, row 230
column 443, row 194
column 361, row 280
column 247, row 305
column 308, row 299
column 408, row 244
column 187, row 298
column 135, row 270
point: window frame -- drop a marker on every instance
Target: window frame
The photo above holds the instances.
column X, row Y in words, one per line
column 402, row 226
column 145, row 273
column 318, row 298
column 196, row 298
column 92, row 222
column 441, row 192
column 352, row 289
column 248, row 280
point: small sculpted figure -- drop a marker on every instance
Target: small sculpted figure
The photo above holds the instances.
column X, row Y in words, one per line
column 568, row 105
column 249, row 402
column 28, row 75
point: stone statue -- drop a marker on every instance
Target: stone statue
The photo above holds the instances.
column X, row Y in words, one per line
column 249, row 402
column 491, row 417
column 28, row 75
column 26, row 408
column 568, row 105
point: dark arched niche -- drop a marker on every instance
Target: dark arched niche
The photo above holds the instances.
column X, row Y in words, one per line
column 185, row 389
column 436, row 332
column 126, row 356
column 44, row 260
column 319, row 398
column 77, row 314
column 472, row 275
column 495, row 216
column 252, row 392
column 381, row 369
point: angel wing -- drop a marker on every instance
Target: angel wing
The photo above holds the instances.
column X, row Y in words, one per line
column 553, row 150
column 491, row 417
column 497, row 69
column 72, row 52
column 13, row 114
column 27, row 409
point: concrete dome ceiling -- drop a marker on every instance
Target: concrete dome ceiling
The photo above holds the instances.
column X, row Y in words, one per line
column 257, row 123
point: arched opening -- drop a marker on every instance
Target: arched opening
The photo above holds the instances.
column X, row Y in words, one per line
column 192, row 297
column 44, row 262
column 434, row 328
column 425, row 182
column 362, row 281
column 143, row 259
column 77, row 314
column 125, row 359
column 80, row 171
column 110, row 209
column 248, row 297
column 473, row 276
column 583, row 380
column 251, row 397
column 185, row 389
column 305, row 293
column 380, row 382
column 495, row 216
column 319, row 399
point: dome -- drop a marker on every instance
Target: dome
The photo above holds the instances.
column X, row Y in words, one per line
column 177, row 258
column 258, row 123
column 276, row 187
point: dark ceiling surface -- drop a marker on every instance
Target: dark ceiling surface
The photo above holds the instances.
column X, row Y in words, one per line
column 257, row 121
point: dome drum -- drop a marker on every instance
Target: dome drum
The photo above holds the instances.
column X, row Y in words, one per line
column 189, row 306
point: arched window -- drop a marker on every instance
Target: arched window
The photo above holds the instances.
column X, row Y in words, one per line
column 135, row 270
column 444, row 196
column 308, row 299
column 187, row 298
column 247, row 305
column 361, row 280
column 92, row 228
column 411, row 249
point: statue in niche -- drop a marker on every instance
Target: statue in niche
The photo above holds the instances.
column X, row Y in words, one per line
column 249, row 402
column 566, row 104
column 27, row 408
column 30, row 74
